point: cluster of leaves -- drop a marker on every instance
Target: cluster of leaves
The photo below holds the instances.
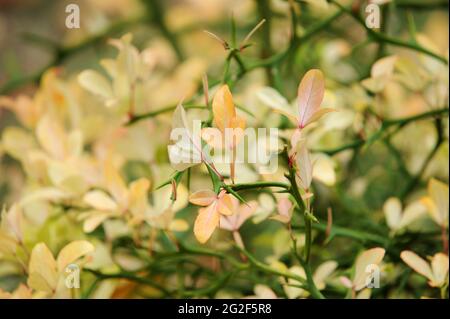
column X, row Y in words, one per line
column 101, row 186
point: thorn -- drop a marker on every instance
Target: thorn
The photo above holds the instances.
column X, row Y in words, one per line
column 224, row 43
column 244, row 43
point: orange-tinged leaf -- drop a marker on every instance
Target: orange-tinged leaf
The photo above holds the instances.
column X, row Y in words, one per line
column 206, row 222
column 223, row 108
column 225, row 205
column 203, row 198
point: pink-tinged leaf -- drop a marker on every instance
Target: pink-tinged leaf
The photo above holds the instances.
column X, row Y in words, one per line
column 310, row 95
column 235, row 221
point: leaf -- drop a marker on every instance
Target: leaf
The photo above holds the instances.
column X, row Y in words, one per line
column 42, row 269
column 99, row 200
column 8, row 244
column 304, row 164
column 285, row 208
column 17, row 142
column 44, row 194
column 323, row 272
column 115, row 183
column 14, row 218
column 381, row 72
column 369, row 257
column 137, row 197
column 225, row 205
column 223, row 108
column 277, row 102
column 412, row 212
column 439, row 265
column 392, row 209
column 187, row 151
column 95, row 83
column 94, row 220
column 73, row 251
column 206, row 222
column 264, row 292
column 52, row 137
column 417, row 263
column 242, row 213
column 310, row 96
column 439, row 193
column 384, row 67
column 203, row 198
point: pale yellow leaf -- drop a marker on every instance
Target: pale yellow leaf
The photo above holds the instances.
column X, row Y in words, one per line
column 439, row 265
column 115, row 184
column 439, row 193
column 417, row 263
column 100, row 200
column 94, row 220
column 392, row 209
column 369, row 257
column 323, row 272
column 138, row 201
column 73, row 251
column 42, row 269
column 95, row 83
column 52, row 137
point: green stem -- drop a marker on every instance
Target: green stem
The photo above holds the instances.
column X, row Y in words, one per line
column 257, row 185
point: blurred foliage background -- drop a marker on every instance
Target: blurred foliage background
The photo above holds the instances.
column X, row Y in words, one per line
column 33, row 38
